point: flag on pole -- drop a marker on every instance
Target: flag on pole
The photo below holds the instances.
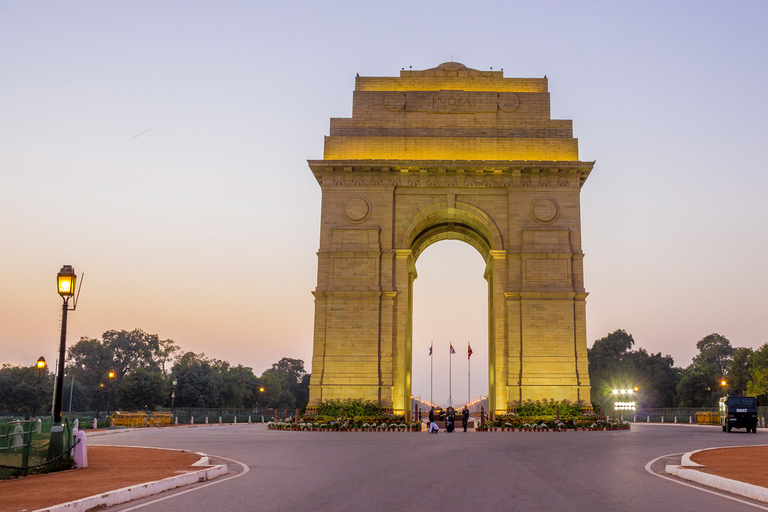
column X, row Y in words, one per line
column 430, row 348
column 452, row 351
column 469, row 350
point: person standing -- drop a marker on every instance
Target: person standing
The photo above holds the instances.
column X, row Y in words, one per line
column 464, row 417
column 432, row 415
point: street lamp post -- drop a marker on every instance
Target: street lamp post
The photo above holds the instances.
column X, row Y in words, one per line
column 40, row 370
column 111, row 376
column 65, row 283
column 173, row 395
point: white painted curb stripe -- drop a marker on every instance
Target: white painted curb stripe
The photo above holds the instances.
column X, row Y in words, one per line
column 754, row 492
column 134, row 492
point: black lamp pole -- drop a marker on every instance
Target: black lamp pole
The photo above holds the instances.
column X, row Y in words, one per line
column 57, row 404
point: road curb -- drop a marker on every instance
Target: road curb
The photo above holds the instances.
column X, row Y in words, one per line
column 144, row 490
column 687, row 471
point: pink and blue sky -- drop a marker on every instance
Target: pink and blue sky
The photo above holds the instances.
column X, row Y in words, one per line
column 161, row 147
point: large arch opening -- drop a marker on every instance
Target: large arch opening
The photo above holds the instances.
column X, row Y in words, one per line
column 450, row 305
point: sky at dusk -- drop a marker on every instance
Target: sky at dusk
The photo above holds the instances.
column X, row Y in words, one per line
column 161, row 148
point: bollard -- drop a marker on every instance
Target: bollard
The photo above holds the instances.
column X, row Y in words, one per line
column 191, row 420
column 95, row 424
column 647, row 419
column 235, row 422
column 690, row 419
column 675, row 419
column 80, row 452
column 206, row 420
column 219, row 420
column 39, row 427
column 176, row 420
column 249, row 420
column 634, row 418
column 18, row 436
column 662, row 418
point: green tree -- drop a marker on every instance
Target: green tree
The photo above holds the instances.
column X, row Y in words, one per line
column 90, row 361
column 18, row 386
column 758, row 374
column 286, row 384
column 738, row 373
column 699, row 386
column 140, row 389
column 198, row 384
column 614, row 365
column 716, row 351
column 700, row 383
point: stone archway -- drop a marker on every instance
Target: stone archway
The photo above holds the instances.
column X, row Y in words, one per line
column 450, row 153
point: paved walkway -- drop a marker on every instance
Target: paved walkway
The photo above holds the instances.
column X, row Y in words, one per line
column 109, row 468
column 748, row 464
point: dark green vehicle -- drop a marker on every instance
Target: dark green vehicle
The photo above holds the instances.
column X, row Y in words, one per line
column 738, row 412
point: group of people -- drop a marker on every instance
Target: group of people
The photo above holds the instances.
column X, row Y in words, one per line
column 449, row 417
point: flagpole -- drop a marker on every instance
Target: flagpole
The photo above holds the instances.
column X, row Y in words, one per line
column 431, row 373
column 469, row 373
column 450, row 396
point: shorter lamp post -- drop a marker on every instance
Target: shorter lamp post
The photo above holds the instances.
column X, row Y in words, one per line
column 40, row 370
column 173, row 394
column 111, row 376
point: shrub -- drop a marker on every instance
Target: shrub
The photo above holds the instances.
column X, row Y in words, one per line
column 350, row 406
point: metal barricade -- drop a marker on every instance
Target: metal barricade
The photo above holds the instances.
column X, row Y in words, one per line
column 708, row 418
column 161, row 419
column 119, row 419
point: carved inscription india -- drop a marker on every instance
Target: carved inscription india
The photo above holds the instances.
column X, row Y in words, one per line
column 447, row 102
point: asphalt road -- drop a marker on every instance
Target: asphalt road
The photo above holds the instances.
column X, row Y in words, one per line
column 488, row 471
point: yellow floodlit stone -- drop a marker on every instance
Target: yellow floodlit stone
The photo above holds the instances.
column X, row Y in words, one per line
column 450, row 153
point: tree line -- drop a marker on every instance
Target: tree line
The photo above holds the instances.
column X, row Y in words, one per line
column 144, row 370
column 718, row 369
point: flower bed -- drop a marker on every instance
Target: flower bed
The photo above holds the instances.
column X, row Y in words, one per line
column 542, row 424
column 354, row 424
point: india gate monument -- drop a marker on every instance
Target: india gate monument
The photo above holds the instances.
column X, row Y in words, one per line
column 450, row 153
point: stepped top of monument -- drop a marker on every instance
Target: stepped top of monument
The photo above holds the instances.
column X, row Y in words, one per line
column 451, row 76
column 451, row 112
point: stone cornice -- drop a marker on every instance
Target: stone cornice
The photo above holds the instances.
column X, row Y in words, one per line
column 456, row 173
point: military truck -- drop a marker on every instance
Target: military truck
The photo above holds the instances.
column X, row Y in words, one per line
column 738, row 412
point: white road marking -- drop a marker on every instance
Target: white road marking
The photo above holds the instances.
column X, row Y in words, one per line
column 214, row 482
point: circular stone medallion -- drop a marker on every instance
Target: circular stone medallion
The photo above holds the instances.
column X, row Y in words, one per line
column 357, row 209
column 508, row 101
column 394, row 101
column 545, row 210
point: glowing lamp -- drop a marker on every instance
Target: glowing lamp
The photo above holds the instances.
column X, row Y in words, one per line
column 111, row 374
column 615, row 391
column 722, row 383
column 65, row 281
column 41, row 364
column 261, row 389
